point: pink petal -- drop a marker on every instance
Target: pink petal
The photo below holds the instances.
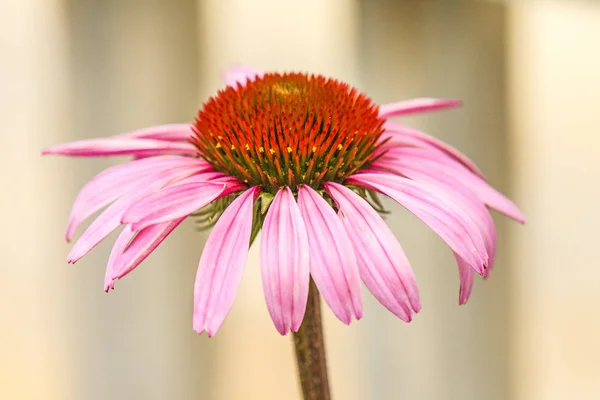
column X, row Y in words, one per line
column 437, row 208
column 240, row 74
column 333, row 263
column 393, row 140
column 450, row 171
column 176, row 201
column 382, row 263
column 222, row 264
column 141, row 246
column 466, row 274
column 472, row 206
column 115, row 182
column 170, row 132
column 121, row 146
column 403, row 133
column 120, row 244
column 110, row 219
column 459, row 187
column 285, row 262
column 212, row 176
column 415, row 106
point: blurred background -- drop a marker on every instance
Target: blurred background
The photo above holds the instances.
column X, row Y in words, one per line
column 528, row 74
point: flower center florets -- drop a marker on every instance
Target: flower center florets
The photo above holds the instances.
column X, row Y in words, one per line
column 288, row 129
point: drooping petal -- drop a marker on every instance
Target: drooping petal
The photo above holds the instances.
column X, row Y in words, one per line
column 388, row 141
column 434, row 206
column 285, row 262
column 222, row 264
column 473, row 206
column 173, row 202
column 415, row 106
column 240, row 74
column 121, row 146
column 117, row 250
column 333, row 263
column 169, row 132
column 383, row 266
column 451, row 172
column 110, row 218
column 477, row 212
column 115, row 182
column 461, row 189
column 466, row 274
column 402, row 133
column 141, row 246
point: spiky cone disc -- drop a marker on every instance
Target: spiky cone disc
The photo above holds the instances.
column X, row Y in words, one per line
column 288, row 129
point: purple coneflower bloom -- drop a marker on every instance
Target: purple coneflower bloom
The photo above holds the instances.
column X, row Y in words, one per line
column 302, row 158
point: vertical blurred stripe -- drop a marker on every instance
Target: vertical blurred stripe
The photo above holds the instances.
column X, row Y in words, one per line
column 555, row 142
column 442, row 49
column 33, row 100
column 134, row 64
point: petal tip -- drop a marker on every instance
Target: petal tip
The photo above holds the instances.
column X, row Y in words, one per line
column 345, row 318
column 358, row 313
column 296, row 327
column 109, row 285
column 417, row 306
column 52, row 150
column 283, row 332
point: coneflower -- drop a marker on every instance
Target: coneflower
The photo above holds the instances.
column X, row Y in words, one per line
column 302, row 158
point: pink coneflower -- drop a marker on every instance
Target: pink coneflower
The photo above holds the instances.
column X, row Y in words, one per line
column 302, row 158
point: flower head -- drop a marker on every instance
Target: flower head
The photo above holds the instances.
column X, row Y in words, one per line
column 285, row 130
column 302, row 158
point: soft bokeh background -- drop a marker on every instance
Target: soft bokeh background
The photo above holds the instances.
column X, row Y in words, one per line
column 528, row 74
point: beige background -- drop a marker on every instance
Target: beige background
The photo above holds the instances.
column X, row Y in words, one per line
column 528, row 73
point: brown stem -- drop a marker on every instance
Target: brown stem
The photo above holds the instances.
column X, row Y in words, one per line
column 310, row 350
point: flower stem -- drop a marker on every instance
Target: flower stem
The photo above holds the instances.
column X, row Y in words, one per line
column 310, row 350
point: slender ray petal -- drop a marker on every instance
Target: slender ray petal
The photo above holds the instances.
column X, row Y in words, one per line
column 120, row 146
column 240, row 74
column 141, row 246
column 389, row 141
column 172, row 202
column 472, row 205
column 118, row 248
column 382, row 263
column 169, row 132
column 415, row 106
column 110, row 218
column 466, row 274
column 451, row 172
column 222, row 264
column 117, row 181
column 333, row 263
column 402, row 133
column 285, row 262
column 435, row 207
